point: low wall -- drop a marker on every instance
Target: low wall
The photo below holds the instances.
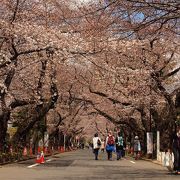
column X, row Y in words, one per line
column 166, row 159
column 160, row 157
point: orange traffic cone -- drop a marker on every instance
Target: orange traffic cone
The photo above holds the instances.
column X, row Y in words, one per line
column 139, row 155
column 132, row 151
column 11, row 150
column 38, row 158
column 42, row 157
column 25, row 151
column 46, row 150
column 39, row 149
column 62, row 149
column 52, row 149
column 59, row 148
column 30, row 151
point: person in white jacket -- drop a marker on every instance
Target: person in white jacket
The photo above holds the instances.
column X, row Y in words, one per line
column 96, row 145
column 168, row 160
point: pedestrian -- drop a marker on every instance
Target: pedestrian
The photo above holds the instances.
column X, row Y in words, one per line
column 82, row 145
column 137, row 147
column 96, row 145
column 168, row 159
column 176, row 151
column 124, row 149
column 102, row 145
column 110, row 145
column 119, row 145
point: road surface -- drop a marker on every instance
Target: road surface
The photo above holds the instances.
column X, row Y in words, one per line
column 80, row 165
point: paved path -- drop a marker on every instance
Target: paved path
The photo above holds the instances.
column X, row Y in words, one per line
column 80, row 165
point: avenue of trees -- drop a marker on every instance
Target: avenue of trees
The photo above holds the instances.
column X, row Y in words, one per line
column 63, row 63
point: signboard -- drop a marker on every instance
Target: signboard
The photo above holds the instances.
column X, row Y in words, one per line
column 149, row 142
column 40, row 143
column 46, row 139
column 12, row 131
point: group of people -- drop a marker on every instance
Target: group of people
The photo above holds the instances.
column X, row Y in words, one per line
column 117, row 144
column 111, row 145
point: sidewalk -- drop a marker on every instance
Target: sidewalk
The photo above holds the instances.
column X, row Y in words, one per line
column 25, row 158
column 170, row 169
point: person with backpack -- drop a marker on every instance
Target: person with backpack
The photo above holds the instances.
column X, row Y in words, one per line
column 119, row 145
column 110, row 145
column 96, row 145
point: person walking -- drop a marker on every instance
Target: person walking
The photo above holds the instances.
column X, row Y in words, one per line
column 176, row 151
column 110, row 145
column 168, row 159
column 137, row 147
column 124, row 148
column 96, row 145
column 102, row 146
column 119, row 145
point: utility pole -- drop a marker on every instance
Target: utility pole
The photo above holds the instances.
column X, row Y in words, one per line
column 150, row 93
column 150, row 134
column 64, row 141
column 158, row 145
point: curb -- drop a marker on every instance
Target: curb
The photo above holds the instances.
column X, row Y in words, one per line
column 32, row 157
column 24, row 159
column 153, row 161
column 158, row 163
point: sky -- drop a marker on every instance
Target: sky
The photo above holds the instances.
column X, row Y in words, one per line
column 83, row 1
column 78, row 3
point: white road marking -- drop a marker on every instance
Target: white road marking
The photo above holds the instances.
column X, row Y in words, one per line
column 33, row 165
column 132, row 162
column 49, row 160
column 38, row 163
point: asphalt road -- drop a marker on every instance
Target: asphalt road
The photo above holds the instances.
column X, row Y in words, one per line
column 80, row 165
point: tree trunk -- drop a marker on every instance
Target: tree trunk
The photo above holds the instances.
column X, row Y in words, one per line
column 3, row 129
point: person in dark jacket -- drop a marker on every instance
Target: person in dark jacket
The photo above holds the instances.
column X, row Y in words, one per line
column 176, row 151
column 119, row 145
column 124, row 148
